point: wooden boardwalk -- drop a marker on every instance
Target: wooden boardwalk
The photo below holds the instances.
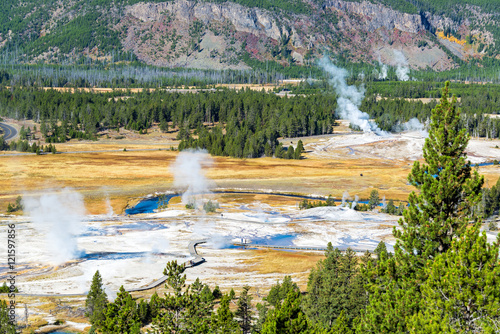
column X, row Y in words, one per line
column 319, row 249
column 187, row 264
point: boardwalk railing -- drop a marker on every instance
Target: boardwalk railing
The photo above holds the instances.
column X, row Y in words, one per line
column 187, row 264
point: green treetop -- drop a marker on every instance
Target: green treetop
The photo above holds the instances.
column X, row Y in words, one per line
column 96, row 300
column 436, row 216
column 449, row 190
column 462, row 291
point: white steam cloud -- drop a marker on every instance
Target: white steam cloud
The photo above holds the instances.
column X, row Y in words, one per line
column 402, row 68
column 58, row 216
column 189, row 176
column 413, row 125
column 349, row 98
column 382, row 75
column 345, row 197
column 355, row 202
column 109, row 208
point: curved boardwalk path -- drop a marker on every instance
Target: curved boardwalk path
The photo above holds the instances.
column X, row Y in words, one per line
column 188, row 264
column 294, row 247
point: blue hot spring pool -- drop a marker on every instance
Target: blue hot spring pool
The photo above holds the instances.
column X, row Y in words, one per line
column 270, row 240
column 148, row 205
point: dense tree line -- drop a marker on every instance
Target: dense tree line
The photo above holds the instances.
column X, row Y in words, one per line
column 239, row 124
column 252, row 121
column 477, row 104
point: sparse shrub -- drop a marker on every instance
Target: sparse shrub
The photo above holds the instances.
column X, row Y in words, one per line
column 493, row 226
column 18, row 206
column 190, row 206
column 361, row 207
column 210, row 206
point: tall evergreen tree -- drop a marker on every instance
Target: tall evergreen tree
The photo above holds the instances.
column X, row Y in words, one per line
column 462, row 291
column 287, row 317
column 299, row 150
column 172, row 316
column 223, row 321
column 335, row 286
column 121, row 316
column 374, row 199
column 96, row 300
column 244, row 311
column 448, row 192
column 279, row 291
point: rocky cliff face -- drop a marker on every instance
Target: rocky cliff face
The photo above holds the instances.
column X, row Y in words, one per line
column 198, row 33
column 250, row 20
column 379, row 16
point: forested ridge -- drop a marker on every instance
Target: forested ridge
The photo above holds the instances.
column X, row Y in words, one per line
column 64, row 32
column 250, row 119
column 237, row 123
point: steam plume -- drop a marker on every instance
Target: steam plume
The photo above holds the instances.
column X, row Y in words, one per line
column 345, row 197
column 382, row 75
column 349, row 98
column 356, row 199
column 58, row 216
column 402, row 68
column 109, row 208
column 189, row 176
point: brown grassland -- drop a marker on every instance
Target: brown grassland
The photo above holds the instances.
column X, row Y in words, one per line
column 129, row 174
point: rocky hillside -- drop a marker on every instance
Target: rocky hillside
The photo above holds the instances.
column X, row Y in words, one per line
column 224, row 34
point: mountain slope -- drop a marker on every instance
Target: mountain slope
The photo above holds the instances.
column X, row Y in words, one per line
column 230, row 34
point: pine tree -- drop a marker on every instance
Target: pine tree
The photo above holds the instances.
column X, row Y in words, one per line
column 341, row 325
column 223, row 321
column 121, row 316
column 244, row 311
column 290, row 154
column 287, row 317
column 448, row 192
column 462, row 292
column 374, row 199
column 5, row 325
column 299, row 150
column 279, row 291
column 335, row 286
column 381, row 248
column 172, row 316
column 96, row 300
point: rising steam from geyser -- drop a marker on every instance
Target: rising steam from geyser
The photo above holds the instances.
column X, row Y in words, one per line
column 382, row 75
column 58, row 216
column 189, row 175
column 349, row 98
column 402, row 68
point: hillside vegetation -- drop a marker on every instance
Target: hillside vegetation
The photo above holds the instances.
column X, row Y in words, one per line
column 239, row 34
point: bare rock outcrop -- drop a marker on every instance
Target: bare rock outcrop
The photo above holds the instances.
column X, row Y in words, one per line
column 251, row 20
column 378, row 16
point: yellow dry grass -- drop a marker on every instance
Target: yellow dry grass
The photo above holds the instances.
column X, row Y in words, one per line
column 125, row 175
column 271, row 261
column 122, row 176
